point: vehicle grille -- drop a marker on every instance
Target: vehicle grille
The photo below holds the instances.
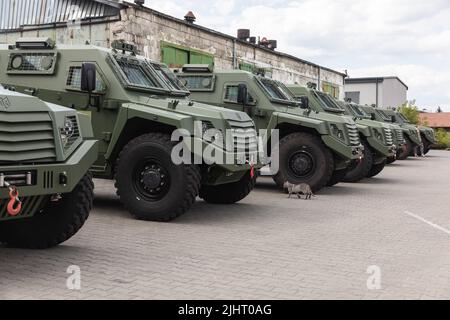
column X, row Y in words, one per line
column 353, row 134
column 388, row 135
column 400, row 136
column 26, row 139
column 245, row 139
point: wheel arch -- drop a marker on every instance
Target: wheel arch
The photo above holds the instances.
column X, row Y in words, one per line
column 134, row 128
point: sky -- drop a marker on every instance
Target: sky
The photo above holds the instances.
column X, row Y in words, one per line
column 405, row 38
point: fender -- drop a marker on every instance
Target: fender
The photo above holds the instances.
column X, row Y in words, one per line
column 319, row 125
column 85, row 125
column 132, row 110
column 364, row 130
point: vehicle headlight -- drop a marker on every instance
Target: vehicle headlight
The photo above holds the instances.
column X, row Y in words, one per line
column 211, row 134
column 68, row 131
column 337, row 132
column 378, row 134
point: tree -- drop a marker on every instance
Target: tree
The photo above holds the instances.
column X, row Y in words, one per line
column 439, row 110
column 443, row 138
column 410, row 111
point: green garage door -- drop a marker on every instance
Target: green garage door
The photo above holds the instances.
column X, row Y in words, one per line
column 176, row 56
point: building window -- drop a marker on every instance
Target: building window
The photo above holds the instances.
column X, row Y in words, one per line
column 331, row 89
column 176, row 56
column 353, row 96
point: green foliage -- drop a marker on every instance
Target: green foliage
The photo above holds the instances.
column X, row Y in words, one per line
column 443, row 138
column 410, row 111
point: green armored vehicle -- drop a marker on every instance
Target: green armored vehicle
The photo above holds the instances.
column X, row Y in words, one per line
column 46, row 191
column 428, row 138
column 397, row 131
column 411, row 132
column 141, row 113
column 377, row 139
column 314, row 147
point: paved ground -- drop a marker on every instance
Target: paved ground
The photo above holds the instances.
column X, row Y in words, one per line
column 267, row 247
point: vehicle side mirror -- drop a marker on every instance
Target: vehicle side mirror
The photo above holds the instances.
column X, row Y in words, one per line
column 393, row 119
column 373, row 116
column 304, row 102
column 242, row 94
column 88, row 77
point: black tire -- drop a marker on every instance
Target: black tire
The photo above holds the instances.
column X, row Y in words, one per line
column 409, row 149
column 403, row 153
column 337, row 177
column 376, row 169
column 150, row 185
column 362, row 169
column 304, row 158
column 53, row 225
column 391, row 160
column 229, row 193
column 426, row 145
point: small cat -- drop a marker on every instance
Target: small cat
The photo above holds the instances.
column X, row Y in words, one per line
column 299, row 189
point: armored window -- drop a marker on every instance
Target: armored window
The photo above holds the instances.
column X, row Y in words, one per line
column 383, row 114
column 198, row 83
column 74, row 80
column 327, row 101
column 136, row 75
column 32, row 63
column 273, row 90
column 231, row 95
column 169, row 77
column 358, row 111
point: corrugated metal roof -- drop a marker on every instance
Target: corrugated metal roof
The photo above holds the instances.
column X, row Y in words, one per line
column 17, row 14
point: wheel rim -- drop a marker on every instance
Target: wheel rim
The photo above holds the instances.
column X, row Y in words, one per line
column 301, row 164
column 151, row 180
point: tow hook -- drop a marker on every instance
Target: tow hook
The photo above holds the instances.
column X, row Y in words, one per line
column 14, row 206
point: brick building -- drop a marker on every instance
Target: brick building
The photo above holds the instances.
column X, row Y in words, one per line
column 158, row 36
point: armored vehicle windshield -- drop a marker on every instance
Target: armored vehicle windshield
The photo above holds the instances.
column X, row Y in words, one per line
column 276, row 91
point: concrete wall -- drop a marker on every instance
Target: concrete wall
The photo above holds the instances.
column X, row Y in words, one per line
column 367, row 92
column 148, row 29
column 391, row 92
column 395, row 93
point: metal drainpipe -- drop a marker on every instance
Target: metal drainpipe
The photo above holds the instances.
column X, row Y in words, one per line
column 376, row 85
column 319, row 76
column 234, row 55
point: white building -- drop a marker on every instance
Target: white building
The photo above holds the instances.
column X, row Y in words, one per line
column 378, row 91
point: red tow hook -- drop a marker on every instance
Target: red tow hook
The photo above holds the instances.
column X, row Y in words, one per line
column 252, row 172
column 14, row 205
column 252, row 169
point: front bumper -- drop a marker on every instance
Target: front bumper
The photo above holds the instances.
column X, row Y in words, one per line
column 416, row 141
column 382, row 149
column 225, row 168
column 53, row 178
column 345, row 151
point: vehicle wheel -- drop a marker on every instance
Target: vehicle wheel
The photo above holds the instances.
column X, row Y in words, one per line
column 426, row 145
column 337, row 177
column 362, row 169
column 149, row 184
column 376, row 169
column 391, row 160
column 54, row 224
column 228, row 193
column 406, row 150
column 304, row 158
